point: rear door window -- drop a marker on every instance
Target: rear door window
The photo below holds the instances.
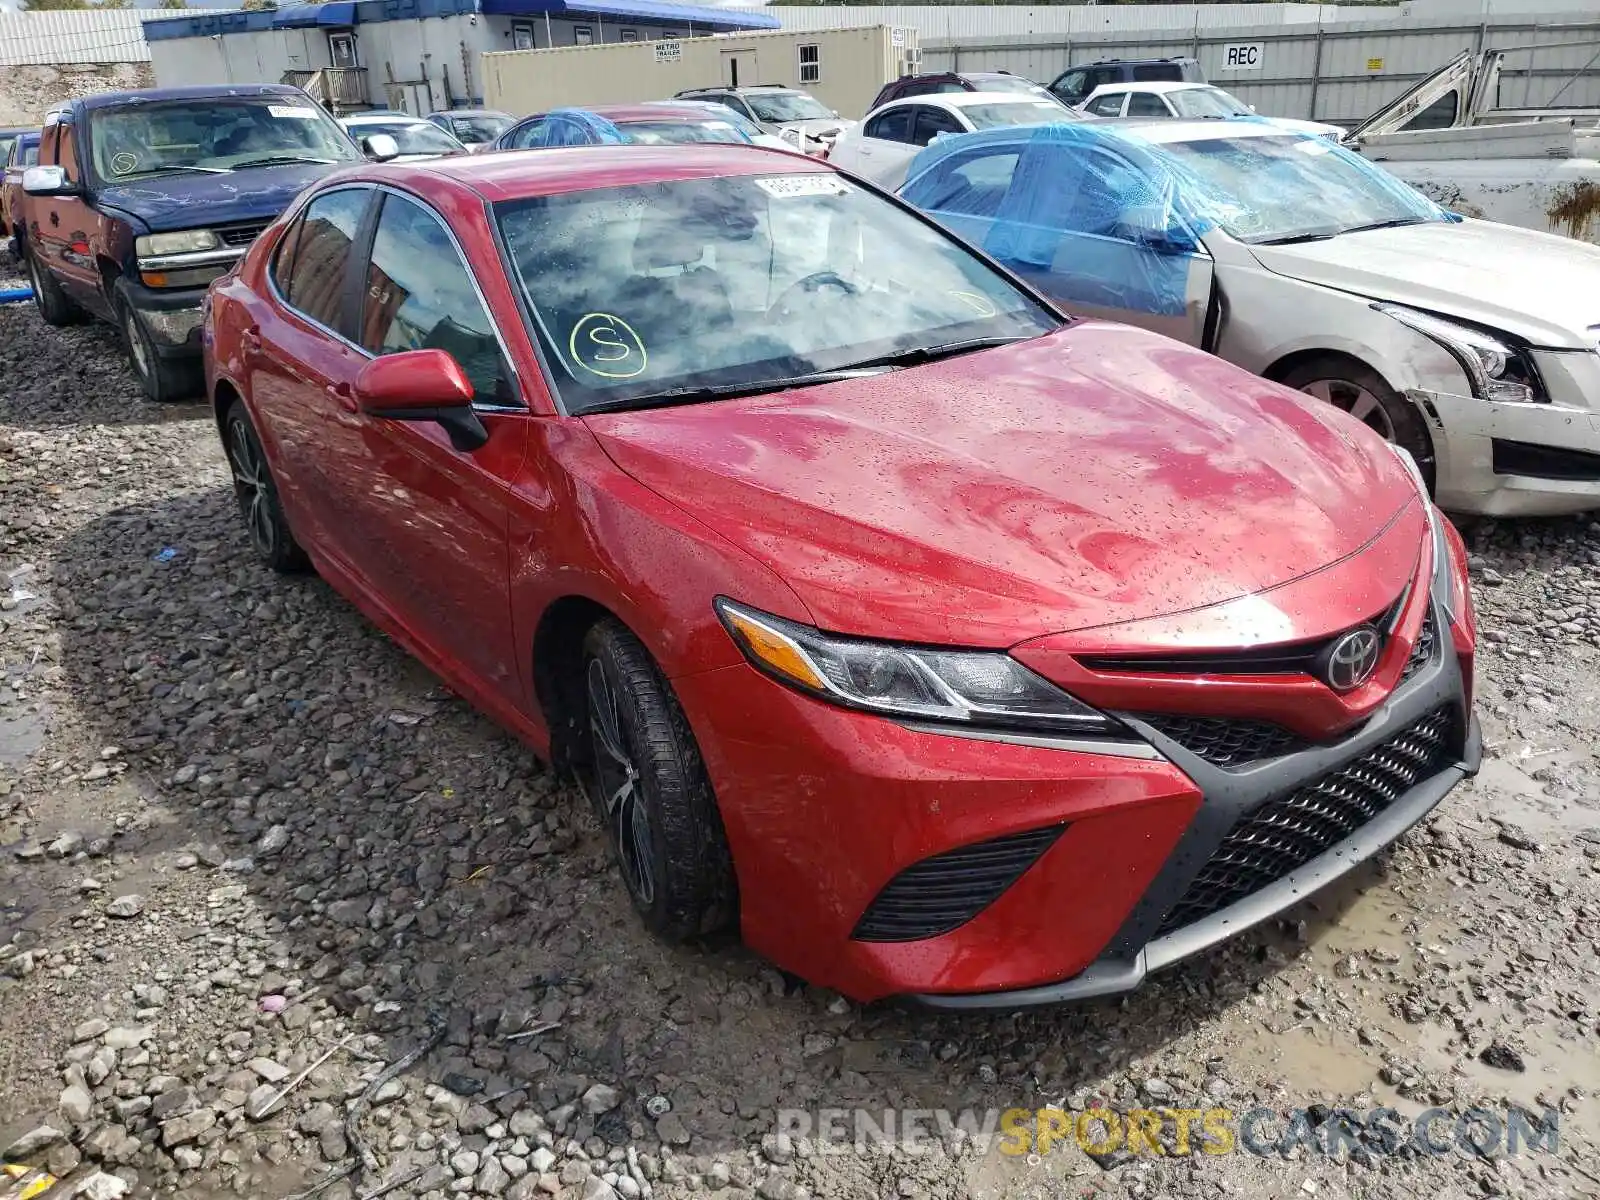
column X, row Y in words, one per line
column 931, row 122
column 316, row 256
column 1107, row 106
column 892, row 126
column 1146, row 104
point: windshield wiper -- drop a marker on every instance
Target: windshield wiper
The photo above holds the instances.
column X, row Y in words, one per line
column 1392, row 223
column 278, row 160
column 924, row 354
column 759, row 387
column 1297, row 238
column 174, row 170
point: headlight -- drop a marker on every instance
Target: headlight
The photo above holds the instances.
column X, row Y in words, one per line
column 970, row 687
column 188, row 241
column 1497, row 369
column 1442, row 569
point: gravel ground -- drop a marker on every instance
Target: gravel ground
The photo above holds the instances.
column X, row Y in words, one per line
column 274, row 904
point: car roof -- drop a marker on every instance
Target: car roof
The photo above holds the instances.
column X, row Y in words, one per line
column 468, row 112
column 1155, row 85
column 1158, row 131
column 198, row 92
column 381, row 118
column 650, row 110
column 968, row 100
column 521, row 174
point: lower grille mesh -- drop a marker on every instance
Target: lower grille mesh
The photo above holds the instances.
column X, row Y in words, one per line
column 1289, row 832
column 1227, row 742
column 946, row 891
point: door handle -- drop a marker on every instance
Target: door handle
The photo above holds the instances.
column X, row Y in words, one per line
column 55, row 218
column 343, row 396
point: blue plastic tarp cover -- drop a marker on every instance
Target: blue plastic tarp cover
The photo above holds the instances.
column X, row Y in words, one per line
column 1105, row 218
column 575, row 127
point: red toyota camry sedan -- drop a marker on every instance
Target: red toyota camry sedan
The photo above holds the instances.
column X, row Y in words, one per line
column 950, row 647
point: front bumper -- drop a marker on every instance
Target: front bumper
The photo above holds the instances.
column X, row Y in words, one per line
column 172, row 316
column 1519, row 460
column 827, row 811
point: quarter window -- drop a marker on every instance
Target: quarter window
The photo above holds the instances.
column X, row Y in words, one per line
column 892, row 126
column 931, row 122
column 316, row 254
column 420, row 296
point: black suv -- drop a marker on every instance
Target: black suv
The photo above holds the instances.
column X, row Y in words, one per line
column 1075, row 85
column 954, row 81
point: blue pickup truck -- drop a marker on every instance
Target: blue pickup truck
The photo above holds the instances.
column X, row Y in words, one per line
column 140, row 199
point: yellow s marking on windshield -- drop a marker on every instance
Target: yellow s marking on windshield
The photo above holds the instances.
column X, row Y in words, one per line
column 604, row 344
column 981, row 305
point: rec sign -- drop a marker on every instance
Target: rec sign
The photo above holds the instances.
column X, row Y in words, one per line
column 1241, row 56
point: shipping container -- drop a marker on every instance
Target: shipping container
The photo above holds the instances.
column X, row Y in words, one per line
column 843, row 68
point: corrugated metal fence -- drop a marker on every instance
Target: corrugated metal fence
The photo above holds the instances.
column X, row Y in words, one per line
column 1327, row 72
column 103, row 36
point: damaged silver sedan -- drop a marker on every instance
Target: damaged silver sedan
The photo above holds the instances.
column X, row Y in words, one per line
column 1475, row 346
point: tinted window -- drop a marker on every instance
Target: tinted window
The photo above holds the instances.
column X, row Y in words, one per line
column 1146, row 104
column 1073, row 86
column 527, row 135
column 972, row 186
column 1157, row 72
column 1107, row 106
column 420, row 296
column 319, row 258
column 931, row 122
column 892, row 126
column 1441, row 114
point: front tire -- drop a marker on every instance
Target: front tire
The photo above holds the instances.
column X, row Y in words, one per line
column 1366, row 396
column 164, row 380
column 55, row 307
column 257, row 494
column 649, row 788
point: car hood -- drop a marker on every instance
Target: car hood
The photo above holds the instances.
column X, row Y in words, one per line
column 186, row 201
column 1098, row 475
column 1538, row 286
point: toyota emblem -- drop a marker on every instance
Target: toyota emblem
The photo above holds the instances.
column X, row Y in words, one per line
column 1351, row 659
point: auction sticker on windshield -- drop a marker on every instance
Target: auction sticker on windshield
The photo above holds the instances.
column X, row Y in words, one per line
column 787, row 186
column 286, row 110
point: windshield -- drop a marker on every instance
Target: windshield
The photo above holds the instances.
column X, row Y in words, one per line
column 218, row 133
column 1274, row 189
column 478, row 128
column 1018, row 112
column 1206, row 102
column 779, row 107
column 413, row 137
column 680, row 131
column 733, row 281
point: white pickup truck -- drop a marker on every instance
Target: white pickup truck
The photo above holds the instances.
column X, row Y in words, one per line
column 1534, row 167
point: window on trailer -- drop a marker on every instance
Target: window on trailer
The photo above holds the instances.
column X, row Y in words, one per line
column 582, row 35
column 522, row 35
column 810, row 63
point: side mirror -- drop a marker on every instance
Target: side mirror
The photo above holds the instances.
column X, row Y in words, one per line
column 380, row 147
column 1251, row 107
column 48, row 181
column 422, row 385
